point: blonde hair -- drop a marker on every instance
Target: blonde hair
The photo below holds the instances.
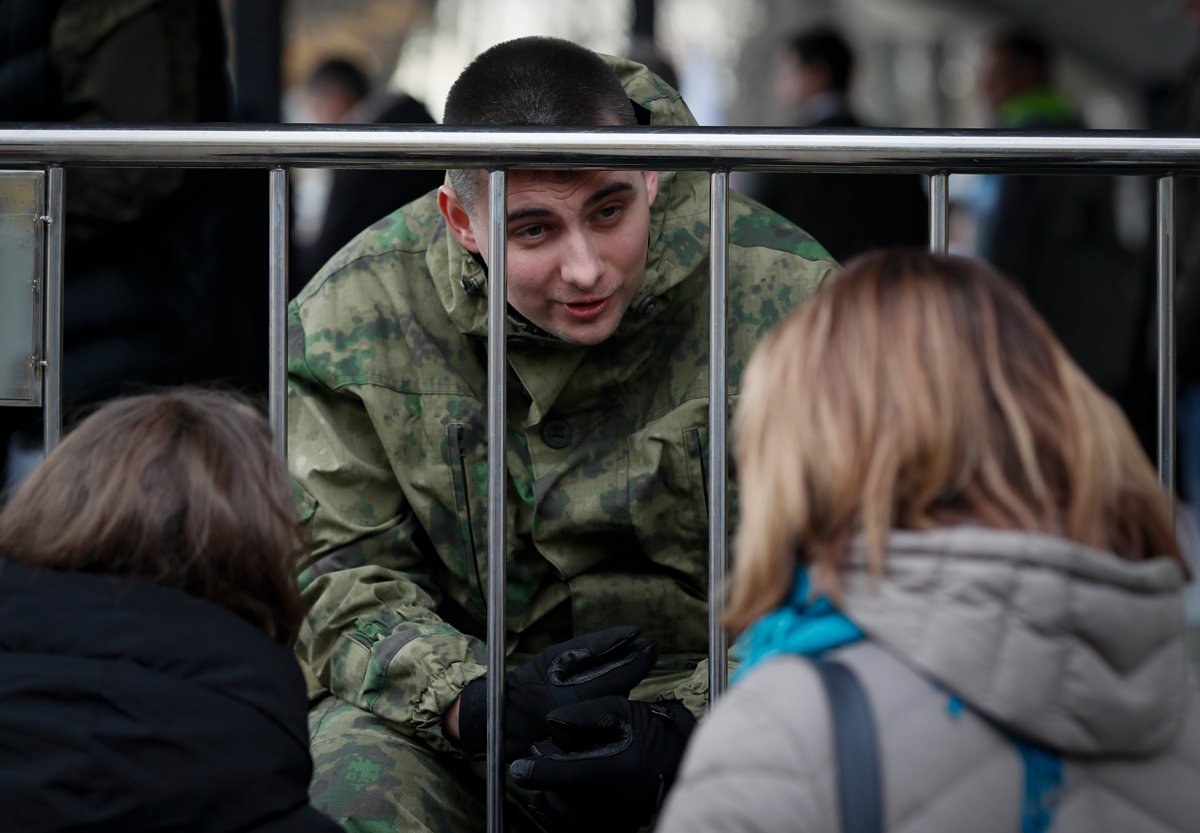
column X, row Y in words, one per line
column 918, row 391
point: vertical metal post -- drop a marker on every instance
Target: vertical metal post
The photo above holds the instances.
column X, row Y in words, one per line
column 939, row 204
column 497, row 488
column 52, row 354
column 718, row 257
column 277, row 301
column 1166, row 332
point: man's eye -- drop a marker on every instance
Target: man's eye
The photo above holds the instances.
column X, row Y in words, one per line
column 530, row 232
column 608, row 212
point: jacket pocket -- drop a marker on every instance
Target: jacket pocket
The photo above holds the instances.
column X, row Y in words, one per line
column 695, row 443
column 461, row 440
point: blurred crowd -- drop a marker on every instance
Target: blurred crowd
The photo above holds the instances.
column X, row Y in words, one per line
column 958, row 591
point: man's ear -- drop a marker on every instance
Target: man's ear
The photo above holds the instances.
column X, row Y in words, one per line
column 458, row 219
column 651, row 186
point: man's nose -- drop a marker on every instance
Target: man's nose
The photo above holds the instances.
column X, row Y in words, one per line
column 581, row 264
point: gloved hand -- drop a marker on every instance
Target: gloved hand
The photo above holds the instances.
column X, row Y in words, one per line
column 610, row 661
column 607, row 766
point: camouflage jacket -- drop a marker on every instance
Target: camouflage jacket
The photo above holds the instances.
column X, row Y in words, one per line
column 606, row 501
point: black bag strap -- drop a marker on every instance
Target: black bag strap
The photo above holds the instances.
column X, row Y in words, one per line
column 860, row 792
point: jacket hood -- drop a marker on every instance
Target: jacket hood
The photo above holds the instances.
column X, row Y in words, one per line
column 1076, row 649
column 461, row 279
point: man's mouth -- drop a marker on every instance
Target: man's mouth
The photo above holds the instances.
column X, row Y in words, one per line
column 587, row 310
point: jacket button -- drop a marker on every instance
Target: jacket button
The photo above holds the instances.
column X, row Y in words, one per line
column 471, row 287
column 556, row 433
column 644, row 307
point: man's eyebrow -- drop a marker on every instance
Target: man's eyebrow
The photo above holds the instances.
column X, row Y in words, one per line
column 606, row 192
column 601, row 195
column 525, row 213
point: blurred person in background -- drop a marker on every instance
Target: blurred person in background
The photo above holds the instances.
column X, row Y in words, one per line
column 339, row 92
column 148, row 607
column 1057, row 236
column 848, row 213
column 334, row 89
column 981, row 540
column 163, row 283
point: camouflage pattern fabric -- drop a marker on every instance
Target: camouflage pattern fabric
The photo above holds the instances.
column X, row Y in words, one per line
column 375, row 780
column 372, row 779
column 607, row 469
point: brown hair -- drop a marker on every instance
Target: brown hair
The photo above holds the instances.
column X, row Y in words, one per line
column 179, row 488
column 917, row 391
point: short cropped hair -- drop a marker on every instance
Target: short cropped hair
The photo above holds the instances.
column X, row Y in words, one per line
column 179, row 488
column 917, row 391
column 825, row 47
column 533, row 81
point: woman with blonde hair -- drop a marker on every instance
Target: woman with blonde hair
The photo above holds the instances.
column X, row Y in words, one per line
column 936, row 498
column 147, row 608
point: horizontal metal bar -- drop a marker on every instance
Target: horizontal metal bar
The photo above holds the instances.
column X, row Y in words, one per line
column 660, row 148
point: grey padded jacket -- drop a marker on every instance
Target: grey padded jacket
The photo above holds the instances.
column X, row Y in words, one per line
column 1075, row 649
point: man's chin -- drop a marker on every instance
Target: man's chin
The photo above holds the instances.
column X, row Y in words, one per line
column 587, row 335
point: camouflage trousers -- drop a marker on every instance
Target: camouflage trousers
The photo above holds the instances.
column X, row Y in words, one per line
column 371, row 779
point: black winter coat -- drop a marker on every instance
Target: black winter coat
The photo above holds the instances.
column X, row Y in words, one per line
column 129, row 707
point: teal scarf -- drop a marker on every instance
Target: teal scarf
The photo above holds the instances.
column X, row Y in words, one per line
column 811, row 627
column 799, row 626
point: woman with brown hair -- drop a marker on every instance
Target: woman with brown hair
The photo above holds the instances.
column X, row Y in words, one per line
column 934, row 496
column 147, row 607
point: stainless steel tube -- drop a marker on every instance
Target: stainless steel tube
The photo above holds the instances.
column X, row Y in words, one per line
column 1108, row 152
column 718, row 259
column 52, row 353
column 277, row 301
column 939, row 212
column 497, row 488
column 1166, row 332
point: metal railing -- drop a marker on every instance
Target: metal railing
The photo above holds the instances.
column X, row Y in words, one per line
column 718, row 151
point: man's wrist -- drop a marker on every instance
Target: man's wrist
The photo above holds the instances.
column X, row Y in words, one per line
column 466, row 719
column 450, row 720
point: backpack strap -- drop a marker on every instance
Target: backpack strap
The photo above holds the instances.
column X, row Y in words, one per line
column 860, row 792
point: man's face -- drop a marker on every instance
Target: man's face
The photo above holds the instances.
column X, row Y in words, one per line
column 796, row 82
column 576, row 245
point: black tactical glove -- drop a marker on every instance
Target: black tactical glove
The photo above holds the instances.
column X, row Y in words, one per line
column 608, row 765
column 610, row 661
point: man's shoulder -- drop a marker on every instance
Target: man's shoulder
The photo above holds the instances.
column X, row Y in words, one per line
column 773, row 267
column 366, row 313
column 393, row 244
column 754, row 226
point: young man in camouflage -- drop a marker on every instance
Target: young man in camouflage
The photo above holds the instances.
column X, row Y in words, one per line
column 607, row 431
